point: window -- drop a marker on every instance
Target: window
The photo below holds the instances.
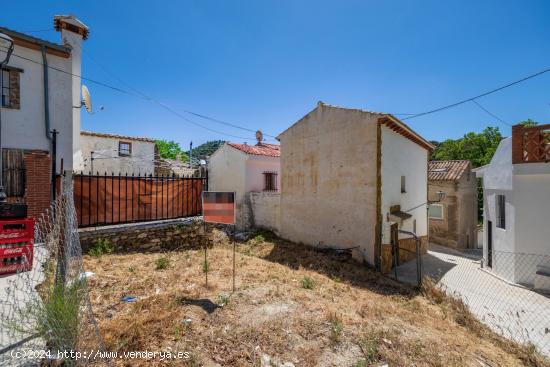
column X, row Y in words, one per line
column 124, row 148
column 403, row 186
column 270, row 181
column 435, row 211
column 501, row 211
column 6, row 88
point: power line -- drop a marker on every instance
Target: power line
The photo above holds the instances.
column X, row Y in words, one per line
column 143, row 95
column 478, row 96
column 163, row 105
column 490, row 113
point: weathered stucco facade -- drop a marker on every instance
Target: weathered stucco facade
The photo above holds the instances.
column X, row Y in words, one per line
column 341, row 175
column 456, row 227
column 240, row 168
column 103, row 150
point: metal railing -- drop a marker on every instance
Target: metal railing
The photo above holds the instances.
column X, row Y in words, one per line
column 104, row 199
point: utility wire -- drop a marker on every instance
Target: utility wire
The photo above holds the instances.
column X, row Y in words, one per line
column 478, row 96
column 490, row 113
column 143, row 95
column 163, row 105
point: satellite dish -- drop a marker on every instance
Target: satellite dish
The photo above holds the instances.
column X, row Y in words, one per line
column 86, row 99
column 259, row 136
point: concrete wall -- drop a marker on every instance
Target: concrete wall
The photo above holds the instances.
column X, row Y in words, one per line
column 229, row 169
column 266, row 210
column 457, row 229
column 227, row 172
column 106, row 158
column 402, row 157
column 24, row 128
column 328, row 181
column 255, row 166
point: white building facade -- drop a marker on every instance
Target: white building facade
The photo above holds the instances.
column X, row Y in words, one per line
column 41, row 86
column 253, row 173
column 516, row 244
column 118, row 154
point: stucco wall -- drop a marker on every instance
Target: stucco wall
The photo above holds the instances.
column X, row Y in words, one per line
column 266, row 210
column 106, row 158
column 24, row 128
column 226, row 172
column 328, row 180
column 229, row 169
column 457, row 229
column 402, row 157
column 255, row 166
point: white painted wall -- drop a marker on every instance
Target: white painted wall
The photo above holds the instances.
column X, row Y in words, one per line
column 525, row 242
column 230, row 169
column 226, row 172
column 24, row 128
column 402, row 157
column 256, row 165
column 266, row 210
column 141, row 161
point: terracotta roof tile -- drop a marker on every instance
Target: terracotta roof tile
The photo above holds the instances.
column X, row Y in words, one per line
column 268, row 150
column 446, row 170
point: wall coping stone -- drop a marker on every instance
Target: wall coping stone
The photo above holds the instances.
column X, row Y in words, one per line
column 139, row 226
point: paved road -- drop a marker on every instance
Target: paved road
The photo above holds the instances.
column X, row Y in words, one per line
column 510, row 310
column 15, row 292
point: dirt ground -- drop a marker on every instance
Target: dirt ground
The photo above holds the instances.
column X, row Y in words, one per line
column 292, row 306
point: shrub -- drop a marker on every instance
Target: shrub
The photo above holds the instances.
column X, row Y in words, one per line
column 259, row 238
column 101, row 246
column 205, row 266
column 336, row 328
column 222, row 300
column 161, row 263
column 307, row 283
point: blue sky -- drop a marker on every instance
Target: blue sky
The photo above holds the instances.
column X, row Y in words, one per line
column 264, row 64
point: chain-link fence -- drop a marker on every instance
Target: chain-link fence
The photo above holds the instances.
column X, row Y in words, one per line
column 507, row 291
column 45, row 313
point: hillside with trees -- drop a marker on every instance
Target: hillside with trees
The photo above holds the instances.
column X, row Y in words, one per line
column 206, row 149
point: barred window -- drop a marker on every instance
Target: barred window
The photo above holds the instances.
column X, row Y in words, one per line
column 501, row 211
column 270, row 181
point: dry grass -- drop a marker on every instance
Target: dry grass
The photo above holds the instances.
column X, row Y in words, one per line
column 350, row 317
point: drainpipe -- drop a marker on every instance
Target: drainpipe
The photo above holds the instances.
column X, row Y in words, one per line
column 46, row 95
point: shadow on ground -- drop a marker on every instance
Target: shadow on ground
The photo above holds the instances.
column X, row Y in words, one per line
column 337, row 265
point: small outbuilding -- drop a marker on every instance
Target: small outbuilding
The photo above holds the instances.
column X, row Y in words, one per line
column 453, row 220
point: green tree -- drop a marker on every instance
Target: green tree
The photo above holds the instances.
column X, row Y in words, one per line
column 205, row 150
column 478, row 148
column 169, row 149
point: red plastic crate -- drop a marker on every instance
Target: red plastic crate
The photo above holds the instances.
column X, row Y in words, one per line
column 16, row 245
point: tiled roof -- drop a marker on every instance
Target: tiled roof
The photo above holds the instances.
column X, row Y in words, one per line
column 268, row 150
column 446, row 170
column 115, row 136
column 35, row 40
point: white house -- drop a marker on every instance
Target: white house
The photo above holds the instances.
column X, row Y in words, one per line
column 41, row 86
column 116, row 154
column 516, row 202
column 353, row 179
column 253, row 172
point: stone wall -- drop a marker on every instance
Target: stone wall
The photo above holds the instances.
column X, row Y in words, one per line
column 148, row 236
column 266, row 210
